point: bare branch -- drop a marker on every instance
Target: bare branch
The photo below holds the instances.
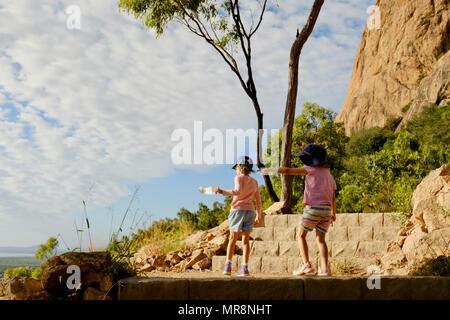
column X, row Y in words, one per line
column 214, row 31
column 308, row 27
column 222, row 51
column 185, row 22
column 237, row 21
column 263, row 10
column 238, row 13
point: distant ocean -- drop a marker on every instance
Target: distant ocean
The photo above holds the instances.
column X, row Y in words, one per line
column 15, row 255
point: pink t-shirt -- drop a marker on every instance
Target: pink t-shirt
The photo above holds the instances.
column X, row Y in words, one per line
column 244, row 192
column 319, row 186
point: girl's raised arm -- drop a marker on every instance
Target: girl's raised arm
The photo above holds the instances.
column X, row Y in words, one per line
column 286, row 171
column 237, row 188
column 293, row 171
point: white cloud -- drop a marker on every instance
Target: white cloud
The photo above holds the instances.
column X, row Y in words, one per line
column 95, row 107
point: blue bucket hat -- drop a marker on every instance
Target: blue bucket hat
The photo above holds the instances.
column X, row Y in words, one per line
column 312, row 155
column 245, row 162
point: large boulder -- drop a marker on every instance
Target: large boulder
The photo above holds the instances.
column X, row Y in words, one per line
column 95, row 270
column 426, row 235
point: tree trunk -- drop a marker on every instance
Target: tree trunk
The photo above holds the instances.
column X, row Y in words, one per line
column 259, row 163
column 291, row 101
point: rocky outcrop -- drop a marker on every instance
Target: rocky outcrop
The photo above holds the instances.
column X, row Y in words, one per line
column 25, row 288
column 275, row 208
column 401, row 65
column 433, row 89
column 95, row 273
column 200, row 248
column 426, row 235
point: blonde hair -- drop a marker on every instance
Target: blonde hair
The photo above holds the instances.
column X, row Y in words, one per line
column 243, row 170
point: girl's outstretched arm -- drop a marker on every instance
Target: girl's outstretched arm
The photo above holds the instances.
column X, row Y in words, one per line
column 286, row 171
column 293, row 171
column 236, row 191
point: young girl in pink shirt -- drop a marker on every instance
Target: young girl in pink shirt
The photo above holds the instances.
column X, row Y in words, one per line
column 243, row 214
column 320, row 204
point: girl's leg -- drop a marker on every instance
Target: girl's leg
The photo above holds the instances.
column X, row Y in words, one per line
column 246, row 246
column 232, row 244
column 303, row 245
column 323, row 250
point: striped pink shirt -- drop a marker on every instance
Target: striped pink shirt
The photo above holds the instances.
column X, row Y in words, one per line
column 244, row 192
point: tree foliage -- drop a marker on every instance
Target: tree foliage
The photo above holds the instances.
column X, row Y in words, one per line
column 376, row 169
column 221, row 24
column 382, row 168
column 205, row 218
column 47, row 249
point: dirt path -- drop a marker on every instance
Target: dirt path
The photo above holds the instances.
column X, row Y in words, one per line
column 209, row 274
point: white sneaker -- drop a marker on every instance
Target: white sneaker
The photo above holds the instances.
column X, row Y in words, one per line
column 305, row 269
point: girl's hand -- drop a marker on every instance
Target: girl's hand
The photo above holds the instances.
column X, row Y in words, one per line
column 257, row 220
column 217, row 190
column 267, row 171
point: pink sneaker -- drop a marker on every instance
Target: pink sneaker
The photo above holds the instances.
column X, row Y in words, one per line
column 305, row 269
column 324, row 273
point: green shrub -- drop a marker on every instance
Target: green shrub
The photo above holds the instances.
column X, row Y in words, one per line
column 439, row 266
column 402, row 194
column 18, row 272
column 37, row 273
column 350, row 199
column 48, row 249
column 205, row 218
column 367, row 141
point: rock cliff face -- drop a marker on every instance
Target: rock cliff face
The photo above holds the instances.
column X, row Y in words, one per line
column 401, row 66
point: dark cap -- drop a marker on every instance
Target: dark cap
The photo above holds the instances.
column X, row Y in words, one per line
column 312, row 155
column 245, row 162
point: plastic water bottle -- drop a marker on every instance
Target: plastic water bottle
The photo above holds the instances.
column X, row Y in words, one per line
column 206, row 190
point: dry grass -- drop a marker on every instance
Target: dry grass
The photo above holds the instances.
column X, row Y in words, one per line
column 344, row 268
column 166, row 237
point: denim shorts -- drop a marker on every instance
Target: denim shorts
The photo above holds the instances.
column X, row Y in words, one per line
column 241, row 220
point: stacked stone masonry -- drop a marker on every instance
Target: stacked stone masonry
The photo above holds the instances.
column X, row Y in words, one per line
column 358, row 239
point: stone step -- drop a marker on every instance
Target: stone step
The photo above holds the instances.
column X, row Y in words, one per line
column 342, row 220
column 282, row 288
column 335, row 233
column 283, row 264
column 335, row 248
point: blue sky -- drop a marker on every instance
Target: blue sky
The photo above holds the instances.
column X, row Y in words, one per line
column 88, row 114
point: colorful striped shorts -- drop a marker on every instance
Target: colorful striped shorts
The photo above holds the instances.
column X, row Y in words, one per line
column 316, row 217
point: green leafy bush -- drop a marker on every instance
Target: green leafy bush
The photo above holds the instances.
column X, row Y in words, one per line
column 205, row 218
column 18, row 272
column 48, row 249
column 350, row 199
column 37, row 273
column 368, row 141
column 439, row 266
column 381, row 176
